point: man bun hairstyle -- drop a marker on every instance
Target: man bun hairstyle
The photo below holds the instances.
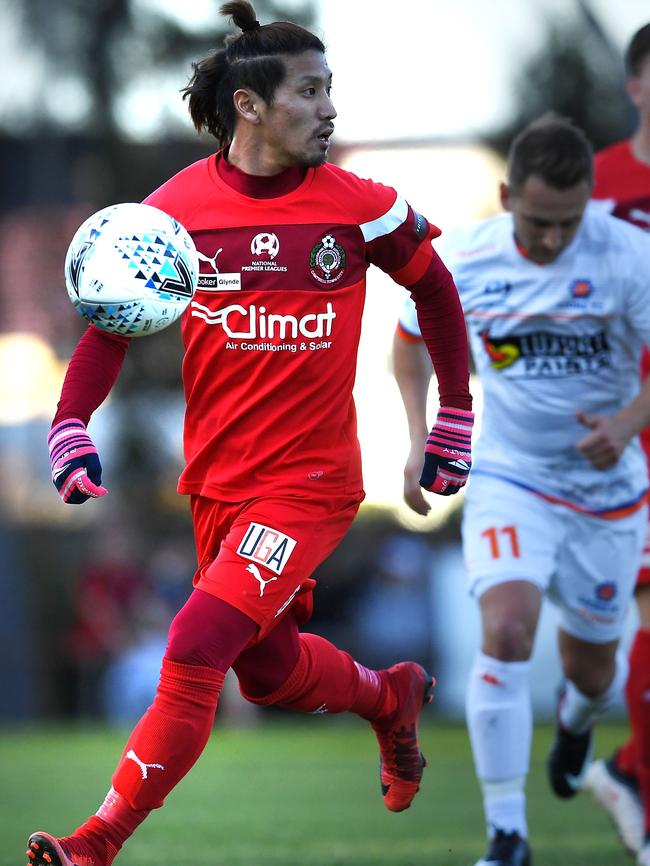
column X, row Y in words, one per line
column 638, row 51
column 251, row 59
column 553, row 149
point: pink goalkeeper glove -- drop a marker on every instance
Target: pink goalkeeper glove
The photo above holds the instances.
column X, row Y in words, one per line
column 448, row 452
column 76, row 470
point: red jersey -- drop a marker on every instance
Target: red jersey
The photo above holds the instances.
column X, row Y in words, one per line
column 271, row 335
column 622, row 178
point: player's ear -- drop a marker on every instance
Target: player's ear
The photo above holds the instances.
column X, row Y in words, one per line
column 245, row 102
column 633, row 87
column 505, row 195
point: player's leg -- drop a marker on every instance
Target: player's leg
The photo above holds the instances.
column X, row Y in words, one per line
column 499, row 714
column 508, row 540
column 325, row 679
column 595, row 677
column 637, row 692
column 205, row 637
column 621, row 784
column 597, row 572
column 263, row 569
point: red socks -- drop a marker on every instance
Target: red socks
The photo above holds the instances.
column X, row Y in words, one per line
column 162, row 748
column 170, row 736
column 634, row 756
column 328, row 680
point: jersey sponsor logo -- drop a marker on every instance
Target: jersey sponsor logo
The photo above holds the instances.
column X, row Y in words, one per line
column 249, row 323
column 542, row 354
column 501, row 353
column 581, row 288
column 267, row 546
column 214, row 281
column 327, row 260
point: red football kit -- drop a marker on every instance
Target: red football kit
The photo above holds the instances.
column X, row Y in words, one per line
column 272, row 458
column 625, row 181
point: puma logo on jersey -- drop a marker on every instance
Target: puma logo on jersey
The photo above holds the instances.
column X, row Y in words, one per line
column 210, row 261
column 254, row 570
column 267, row 546
column 144, row 768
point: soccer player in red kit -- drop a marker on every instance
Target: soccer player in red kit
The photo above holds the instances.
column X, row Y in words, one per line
column 272, row 459
column 622, row 783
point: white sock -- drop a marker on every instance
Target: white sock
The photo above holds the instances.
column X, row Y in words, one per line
column 500, row 724
column 578, row 711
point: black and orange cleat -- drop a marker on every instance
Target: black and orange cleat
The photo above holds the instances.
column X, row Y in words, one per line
column 401, row 761
column 45, row 850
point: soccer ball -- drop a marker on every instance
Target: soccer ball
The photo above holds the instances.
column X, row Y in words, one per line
column 131, row 269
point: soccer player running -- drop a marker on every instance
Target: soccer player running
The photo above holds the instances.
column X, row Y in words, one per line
column 272, row 459
column 556, row 295
column 621, row 784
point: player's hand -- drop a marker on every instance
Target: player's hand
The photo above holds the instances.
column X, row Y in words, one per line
column 605, row 443
column 412, row 490
column 76, row 470
column 448, row 452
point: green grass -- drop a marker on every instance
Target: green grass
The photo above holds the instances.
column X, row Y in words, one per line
column 285, row 794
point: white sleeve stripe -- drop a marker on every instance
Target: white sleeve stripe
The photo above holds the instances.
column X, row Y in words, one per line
column 386, row 223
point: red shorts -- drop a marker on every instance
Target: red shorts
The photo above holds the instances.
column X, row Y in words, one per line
column 258, row 555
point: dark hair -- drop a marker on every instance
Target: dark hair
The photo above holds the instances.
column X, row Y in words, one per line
column 251, row 59
column 637, row 51
column 553, row 149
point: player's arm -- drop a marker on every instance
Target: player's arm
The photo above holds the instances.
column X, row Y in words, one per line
column 412, row 369
column 91, row 373
column 401, row 246
column 609, row 435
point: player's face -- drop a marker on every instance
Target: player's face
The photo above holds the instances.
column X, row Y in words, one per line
column 638, row 87
column 296, row 128
column 545, row 218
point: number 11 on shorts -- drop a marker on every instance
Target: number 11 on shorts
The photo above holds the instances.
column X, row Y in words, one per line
column 493, row 535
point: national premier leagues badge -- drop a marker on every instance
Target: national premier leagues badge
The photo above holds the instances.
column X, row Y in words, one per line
column 327, row 261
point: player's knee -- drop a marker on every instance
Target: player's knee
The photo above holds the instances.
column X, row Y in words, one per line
column 507, row 640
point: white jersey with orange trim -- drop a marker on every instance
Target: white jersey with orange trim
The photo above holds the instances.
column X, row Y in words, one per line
column 547, row 341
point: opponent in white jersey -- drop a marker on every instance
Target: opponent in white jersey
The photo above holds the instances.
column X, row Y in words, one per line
column 551, row 341
column 557, row 301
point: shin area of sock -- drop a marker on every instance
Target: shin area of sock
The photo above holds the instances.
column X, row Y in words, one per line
column 328, row 680
column 170, row 736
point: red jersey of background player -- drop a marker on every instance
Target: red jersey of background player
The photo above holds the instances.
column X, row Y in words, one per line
column 271, row 336
column 625, row 182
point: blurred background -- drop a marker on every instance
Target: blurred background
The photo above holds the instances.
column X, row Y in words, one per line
column 429, row 95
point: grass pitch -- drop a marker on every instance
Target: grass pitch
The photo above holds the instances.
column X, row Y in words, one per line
column 288, row 793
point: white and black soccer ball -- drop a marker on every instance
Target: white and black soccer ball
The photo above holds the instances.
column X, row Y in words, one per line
column 131, row 269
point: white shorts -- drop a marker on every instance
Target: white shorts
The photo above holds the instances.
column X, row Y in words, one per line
column 585, row 565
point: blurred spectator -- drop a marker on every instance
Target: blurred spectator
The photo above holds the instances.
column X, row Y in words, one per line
column 390, row 616
column 109, row 591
